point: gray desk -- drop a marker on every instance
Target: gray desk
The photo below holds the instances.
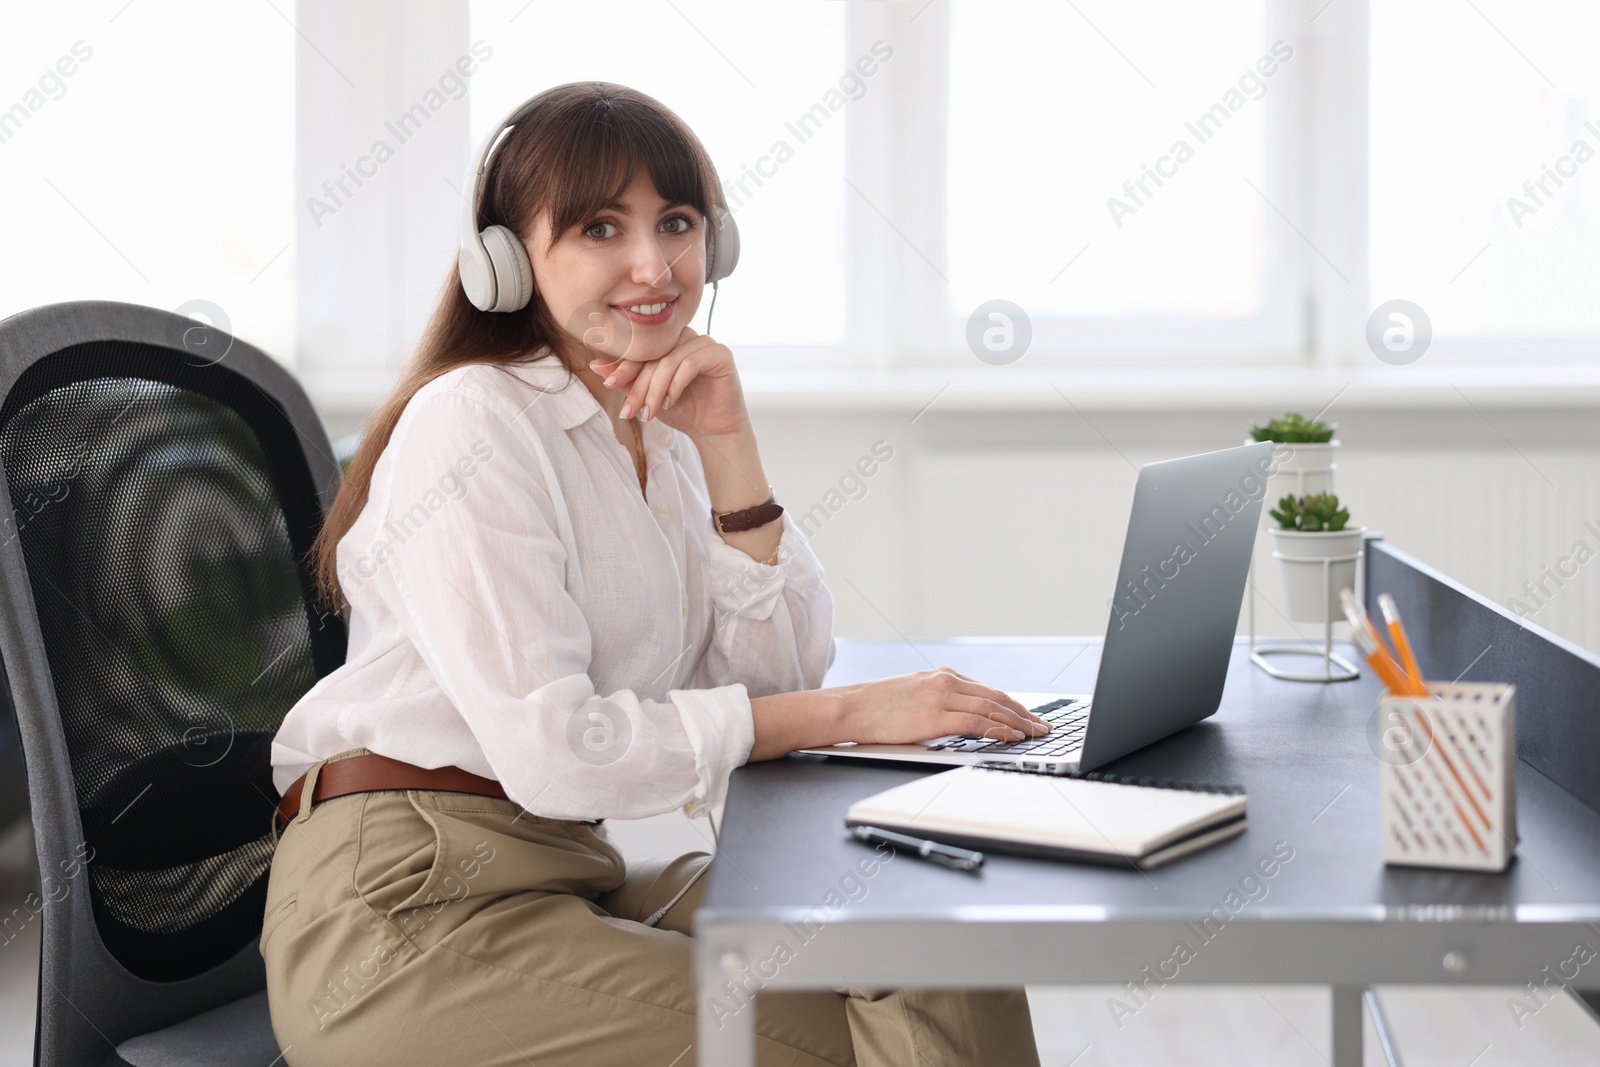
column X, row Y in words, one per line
column 1332, row 915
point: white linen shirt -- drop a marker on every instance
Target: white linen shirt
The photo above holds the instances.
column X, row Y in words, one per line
column 519, row 609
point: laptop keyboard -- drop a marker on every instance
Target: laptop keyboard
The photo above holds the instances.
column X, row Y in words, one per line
column 1067, row 718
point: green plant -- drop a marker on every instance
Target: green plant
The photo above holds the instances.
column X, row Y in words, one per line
column 1293, row 428
column 1317, row 513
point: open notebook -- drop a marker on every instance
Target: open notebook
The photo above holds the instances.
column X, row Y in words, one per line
column 1095, row 818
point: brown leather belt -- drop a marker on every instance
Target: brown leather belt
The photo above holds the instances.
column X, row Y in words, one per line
column 372, row 773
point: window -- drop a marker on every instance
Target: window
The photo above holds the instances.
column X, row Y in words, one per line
column 1056, row 139
column 1242, row 181
column 1485, row 170
column 1120, row 186
column 149, row 157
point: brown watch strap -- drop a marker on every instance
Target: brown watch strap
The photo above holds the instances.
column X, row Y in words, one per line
column 747, row 519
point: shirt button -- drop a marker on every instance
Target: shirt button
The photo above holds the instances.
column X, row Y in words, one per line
column 661, row 508
column 684, row 607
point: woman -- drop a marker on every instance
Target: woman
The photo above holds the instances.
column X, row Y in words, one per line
column 569, row 599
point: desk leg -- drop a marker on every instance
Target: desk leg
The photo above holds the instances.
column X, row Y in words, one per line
column 725, row 1040
column 1348, row 1026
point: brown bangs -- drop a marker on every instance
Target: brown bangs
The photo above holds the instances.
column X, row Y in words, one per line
column 581, row 153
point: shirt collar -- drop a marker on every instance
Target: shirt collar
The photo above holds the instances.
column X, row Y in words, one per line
column 569, row 401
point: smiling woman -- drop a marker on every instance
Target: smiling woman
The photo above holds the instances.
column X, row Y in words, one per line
column 644, row 256
column 549, row 650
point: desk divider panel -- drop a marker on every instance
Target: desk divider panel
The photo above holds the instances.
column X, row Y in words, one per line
column 1459, row 635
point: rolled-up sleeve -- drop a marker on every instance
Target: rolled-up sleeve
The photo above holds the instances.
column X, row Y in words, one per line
column 472, row 562
column 772, row 623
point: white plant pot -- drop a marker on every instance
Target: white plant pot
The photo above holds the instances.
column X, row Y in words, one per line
column 1302, row 469
column 1310, row 585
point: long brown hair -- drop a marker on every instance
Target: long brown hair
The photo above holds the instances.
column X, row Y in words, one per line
column 573, row 155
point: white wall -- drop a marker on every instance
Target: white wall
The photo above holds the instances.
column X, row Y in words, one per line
column 1011, row 522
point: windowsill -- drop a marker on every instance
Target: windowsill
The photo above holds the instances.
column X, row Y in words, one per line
column 1106, row 388
column 1154, row 388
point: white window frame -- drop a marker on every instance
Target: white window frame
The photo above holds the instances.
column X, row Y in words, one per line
column 900, row 340
column 1316, row 295
column 935, row 335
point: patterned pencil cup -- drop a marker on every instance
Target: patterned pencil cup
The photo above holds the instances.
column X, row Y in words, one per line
column 1448, row 784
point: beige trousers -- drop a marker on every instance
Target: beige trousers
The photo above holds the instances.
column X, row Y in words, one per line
column 423, row 927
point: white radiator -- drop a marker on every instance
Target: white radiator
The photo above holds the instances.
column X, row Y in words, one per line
column 1017, row 542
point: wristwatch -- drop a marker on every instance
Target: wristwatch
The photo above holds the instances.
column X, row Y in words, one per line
column 728, row 522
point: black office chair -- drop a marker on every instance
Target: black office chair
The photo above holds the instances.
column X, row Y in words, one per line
column 156, row 622
column 13, row 778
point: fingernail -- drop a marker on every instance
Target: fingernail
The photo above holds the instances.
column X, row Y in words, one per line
column 611, row 380
column 626, row 409
column 667, row 403
column 644, row 413
column 1016, row 735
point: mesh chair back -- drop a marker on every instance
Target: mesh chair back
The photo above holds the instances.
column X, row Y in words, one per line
column 159, row 621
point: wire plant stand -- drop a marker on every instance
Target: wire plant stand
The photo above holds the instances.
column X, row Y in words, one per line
column 1346, row 671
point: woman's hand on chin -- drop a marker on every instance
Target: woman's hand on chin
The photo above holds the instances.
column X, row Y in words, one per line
column 693, row 388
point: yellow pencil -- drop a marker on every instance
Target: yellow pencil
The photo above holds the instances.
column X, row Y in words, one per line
column 1402, row 643
column 1383, row 665
column 1370, row 642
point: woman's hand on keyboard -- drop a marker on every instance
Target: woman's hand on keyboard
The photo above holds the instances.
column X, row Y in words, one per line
column 904, row 709
column 927, row 704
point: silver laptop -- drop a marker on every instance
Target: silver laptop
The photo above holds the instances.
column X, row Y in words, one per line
column 1173, row 616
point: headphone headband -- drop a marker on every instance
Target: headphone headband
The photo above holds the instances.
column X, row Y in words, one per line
column 493, row 264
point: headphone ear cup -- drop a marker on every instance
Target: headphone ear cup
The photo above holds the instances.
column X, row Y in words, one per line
column 513, row 274
column 477, row 275
column 723, row 253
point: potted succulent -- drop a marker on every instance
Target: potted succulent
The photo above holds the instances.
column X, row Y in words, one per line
column 1304, row 456
column 1319, row 548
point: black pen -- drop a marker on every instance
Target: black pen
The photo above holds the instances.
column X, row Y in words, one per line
column 959, row 858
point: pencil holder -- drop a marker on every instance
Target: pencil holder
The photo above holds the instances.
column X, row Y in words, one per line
column 1448, row 783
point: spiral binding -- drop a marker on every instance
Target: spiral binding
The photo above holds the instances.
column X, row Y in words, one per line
column 1117, row 779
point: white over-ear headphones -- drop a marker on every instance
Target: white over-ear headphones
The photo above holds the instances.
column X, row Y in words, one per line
column 493, row 264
